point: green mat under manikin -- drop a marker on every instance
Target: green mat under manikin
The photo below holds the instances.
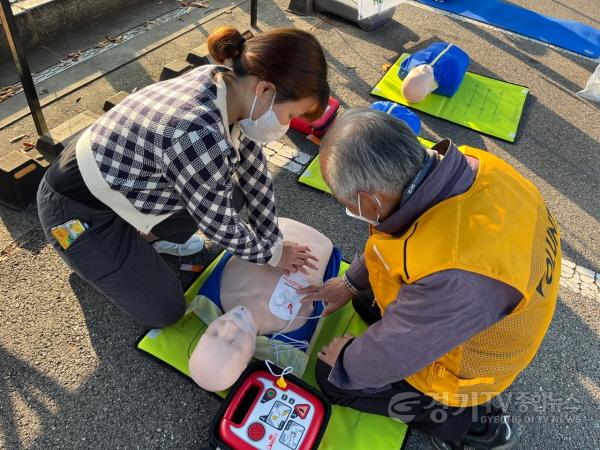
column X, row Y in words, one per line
column 312, row 174
column 483, row 104
column 347, row 428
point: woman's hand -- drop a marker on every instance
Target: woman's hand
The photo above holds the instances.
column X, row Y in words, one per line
column 333, row 292
column 296, row 258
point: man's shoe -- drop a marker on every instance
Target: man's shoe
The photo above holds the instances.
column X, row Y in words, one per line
column 503, row 436
column 193, row 245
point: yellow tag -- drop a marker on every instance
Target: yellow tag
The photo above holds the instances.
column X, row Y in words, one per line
column 281, row 383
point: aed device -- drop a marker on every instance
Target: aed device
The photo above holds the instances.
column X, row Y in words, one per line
column 263, row 412
column 320, row 126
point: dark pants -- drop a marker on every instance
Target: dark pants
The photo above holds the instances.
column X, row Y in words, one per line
column 114, row 259
column 401, row 400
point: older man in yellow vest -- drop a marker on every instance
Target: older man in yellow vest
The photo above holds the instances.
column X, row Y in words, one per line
column 458, row 281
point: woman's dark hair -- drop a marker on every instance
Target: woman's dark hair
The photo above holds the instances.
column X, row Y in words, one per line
column 291, row 59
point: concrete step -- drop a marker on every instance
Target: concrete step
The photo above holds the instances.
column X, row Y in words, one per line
column 20, row 175
column 53, row 142
column 174, row 69
column 113, row 101
column 200, row 56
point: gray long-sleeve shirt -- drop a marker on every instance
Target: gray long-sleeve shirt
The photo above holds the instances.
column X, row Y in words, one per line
column 433, row 315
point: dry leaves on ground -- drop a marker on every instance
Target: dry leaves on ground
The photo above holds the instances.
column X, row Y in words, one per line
column 18, row 138
column 194, row 4
column 8, row 92
column 150, row 24
column 114, row 39
column 118, row 38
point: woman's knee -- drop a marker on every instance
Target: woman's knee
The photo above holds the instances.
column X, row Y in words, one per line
column 150, row 303
column 162, row 315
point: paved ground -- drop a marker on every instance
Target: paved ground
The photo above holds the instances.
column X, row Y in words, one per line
column 69, row 374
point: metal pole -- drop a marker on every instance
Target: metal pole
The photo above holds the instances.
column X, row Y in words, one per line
column 14, row 42
column 253, row 13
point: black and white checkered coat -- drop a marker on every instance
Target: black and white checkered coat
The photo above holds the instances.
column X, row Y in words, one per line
column 165, row 148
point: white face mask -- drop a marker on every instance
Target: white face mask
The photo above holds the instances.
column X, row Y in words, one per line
column 363, row 218
column 264, row 129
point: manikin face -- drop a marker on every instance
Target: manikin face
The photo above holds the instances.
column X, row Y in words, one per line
column 419, row 83
column 224, row 350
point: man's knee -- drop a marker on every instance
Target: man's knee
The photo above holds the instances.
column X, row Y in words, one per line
column 332, row 392
column 322, row 371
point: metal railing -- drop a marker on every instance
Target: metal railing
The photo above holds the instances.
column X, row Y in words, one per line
column 16, row 49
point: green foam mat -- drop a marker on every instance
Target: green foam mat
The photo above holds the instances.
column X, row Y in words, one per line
column 312, row 174
column 347, row 428
column 483, row 104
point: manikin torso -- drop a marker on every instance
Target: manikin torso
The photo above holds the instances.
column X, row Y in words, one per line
column 251, row 285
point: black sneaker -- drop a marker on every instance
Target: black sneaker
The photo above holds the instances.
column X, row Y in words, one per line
column 504, row 436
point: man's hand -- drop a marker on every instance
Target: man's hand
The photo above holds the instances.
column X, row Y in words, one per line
column 333, row 292
column 296, row 258
column 330, row 353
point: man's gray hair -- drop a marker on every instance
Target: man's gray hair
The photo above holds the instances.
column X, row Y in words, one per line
column 369, row 150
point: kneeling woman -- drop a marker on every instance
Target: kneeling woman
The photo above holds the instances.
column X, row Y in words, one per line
column 180, row 156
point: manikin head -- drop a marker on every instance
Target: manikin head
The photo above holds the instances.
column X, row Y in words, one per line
column 419, row 83
column 224, row 350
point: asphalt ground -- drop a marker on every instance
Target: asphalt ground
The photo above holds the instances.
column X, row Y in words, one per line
column 70, row 374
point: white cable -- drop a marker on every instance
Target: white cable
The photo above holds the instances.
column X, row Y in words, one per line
column 286, row 371
column 295, row 343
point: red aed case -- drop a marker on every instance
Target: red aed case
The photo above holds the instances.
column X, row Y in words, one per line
column 259, row 414
column 320, row 126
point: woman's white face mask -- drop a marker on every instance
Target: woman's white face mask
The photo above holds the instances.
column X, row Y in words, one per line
column 266, row 128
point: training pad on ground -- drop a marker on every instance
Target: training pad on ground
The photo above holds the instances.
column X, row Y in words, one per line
column 312, row 174
column 481, row 103
column 568, row 34
column 347, row 428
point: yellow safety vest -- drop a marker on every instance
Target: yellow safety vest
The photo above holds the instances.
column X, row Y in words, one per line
column 501, row 228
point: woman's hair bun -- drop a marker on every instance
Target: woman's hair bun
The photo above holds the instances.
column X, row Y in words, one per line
column 225, row 43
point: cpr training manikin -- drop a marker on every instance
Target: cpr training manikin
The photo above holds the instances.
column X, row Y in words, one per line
column 439, row 68
column 258, row 312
